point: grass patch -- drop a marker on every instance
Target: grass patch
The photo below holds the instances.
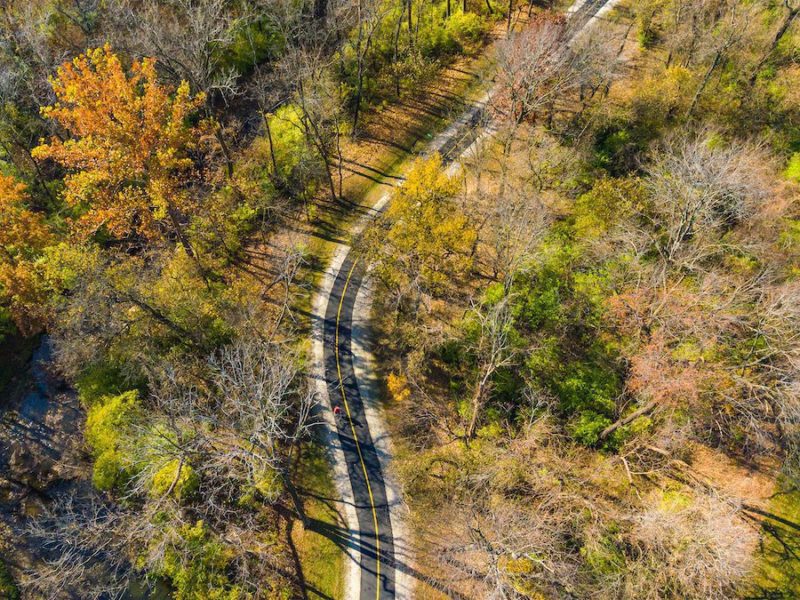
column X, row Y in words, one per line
column 321, row 559
column 777, row 572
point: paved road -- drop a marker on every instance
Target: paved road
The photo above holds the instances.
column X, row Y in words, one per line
column 363, row 464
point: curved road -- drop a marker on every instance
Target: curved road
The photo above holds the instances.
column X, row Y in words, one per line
column 377, row 561
column 363, row 465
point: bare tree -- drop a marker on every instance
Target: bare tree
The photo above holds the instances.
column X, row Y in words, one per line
column 536, row 67
column 493, row 349
column 369, row 17
column 515, row 224
column 88, row 550
column 240, row 433
column 700, row 551
column 700, row 186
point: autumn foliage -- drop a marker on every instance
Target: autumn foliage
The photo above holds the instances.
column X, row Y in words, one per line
column 23, row 235
column 128, row 157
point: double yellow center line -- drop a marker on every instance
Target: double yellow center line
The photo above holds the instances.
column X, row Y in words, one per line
column 355, row 437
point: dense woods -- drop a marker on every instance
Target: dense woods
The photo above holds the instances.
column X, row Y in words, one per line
column 582, row 377
column 588, row 329
column 150, row 150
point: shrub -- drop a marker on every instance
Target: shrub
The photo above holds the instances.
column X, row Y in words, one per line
column 588, row 427
column 8, row 588
column 197, row 566
column 6, row 324
column 398, row 387
column 186, row 484
column 436, row 42
column 792, row 171
column 107, row 424
column 588, row 386
column 97, row 382
column 466, row 29
column 108, row 470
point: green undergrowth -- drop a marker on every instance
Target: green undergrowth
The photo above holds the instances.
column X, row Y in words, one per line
column 777, row 572
column 321, row 559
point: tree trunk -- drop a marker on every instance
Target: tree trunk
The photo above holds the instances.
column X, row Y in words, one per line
column 396, row 53
column 476, row 408
column 271, row 147
column 326, row 159
column 178, row 228
column 410, row 5
column 704, row 83
column 508, row 18
column 225, row 150
column 787, row 23
column 464, row 6
column 340, row 158
column 298, row 504
column 360, row 76
column 184, row 241
column 163, row 319
column 629, row 419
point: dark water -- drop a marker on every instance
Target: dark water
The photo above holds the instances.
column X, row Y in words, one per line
column 36, row 402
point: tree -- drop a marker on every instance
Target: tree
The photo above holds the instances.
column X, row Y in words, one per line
column 88, row 544
column 492, row 346
column 129, row 154
column 792, row 10
column 535, row 68
column 701, row 185
column 424, row 241
column 370, row 16
column 192, row 40
column 319, row 100
column 23, row 236
column 731, row 31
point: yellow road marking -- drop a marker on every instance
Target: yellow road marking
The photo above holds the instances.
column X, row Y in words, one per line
column 355, row 437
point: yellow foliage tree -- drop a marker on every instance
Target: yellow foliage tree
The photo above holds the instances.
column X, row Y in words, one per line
column 426, row 240
column 128, row 157
column 23, row 235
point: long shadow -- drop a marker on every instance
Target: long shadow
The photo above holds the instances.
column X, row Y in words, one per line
column 344, row 538
column 772, row 516
column 385, row 142
column 455, row 101
column 325, row 232
column 432, row 110
column 372, row 169
column 298, row 566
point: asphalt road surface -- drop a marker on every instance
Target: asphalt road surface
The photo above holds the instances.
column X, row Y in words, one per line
column 363, row 463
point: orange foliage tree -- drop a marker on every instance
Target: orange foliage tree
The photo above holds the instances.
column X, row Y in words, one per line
column 23, row 236
column 128, row 157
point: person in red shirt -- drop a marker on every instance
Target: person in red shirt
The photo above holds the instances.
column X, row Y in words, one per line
column 337, row 411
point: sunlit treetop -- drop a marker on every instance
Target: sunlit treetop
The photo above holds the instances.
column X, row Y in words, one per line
column 128, row 154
